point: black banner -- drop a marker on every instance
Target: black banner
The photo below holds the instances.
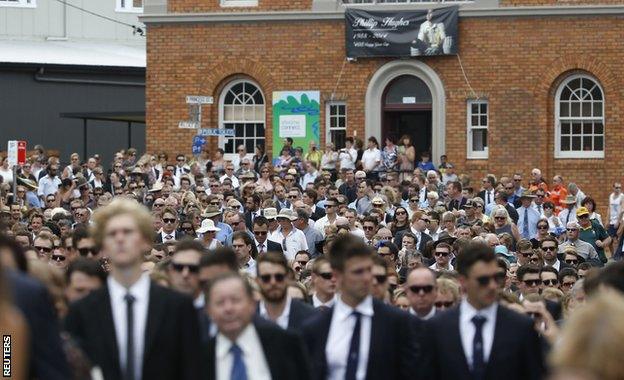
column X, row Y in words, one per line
column 402, row 33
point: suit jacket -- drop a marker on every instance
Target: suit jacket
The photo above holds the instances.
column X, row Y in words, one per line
column 393, row 344
column 516, row 350
column 171, row 349
column 482, row 195
column 178, row 236
column 317, row 214
column 273, row 246
column 455, row 204
column 284, row 352
column 420, row 244
column 46, row 356
column 299, row 313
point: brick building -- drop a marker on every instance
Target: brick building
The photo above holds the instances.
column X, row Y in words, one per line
column 542, row 86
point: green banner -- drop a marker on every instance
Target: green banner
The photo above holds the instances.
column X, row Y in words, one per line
column 296, row 114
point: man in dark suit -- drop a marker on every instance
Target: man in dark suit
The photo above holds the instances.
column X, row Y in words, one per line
column 276, row 305
column 132, row 328
column 487, row 194
column 358, row 324
column 252, row 209
column 480, row 339
column 170, row 222
column 457, row 200
column 248, row 347
column 261, row 232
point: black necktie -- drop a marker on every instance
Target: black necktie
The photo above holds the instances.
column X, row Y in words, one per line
column 354, row 348
column 478, row 361
column 130, row 337
column 487, row 202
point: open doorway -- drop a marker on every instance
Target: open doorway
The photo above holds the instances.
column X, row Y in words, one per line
column 407, row 109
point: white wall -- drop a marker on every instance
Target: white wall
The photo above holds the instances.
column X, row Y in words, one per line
column 46, row 20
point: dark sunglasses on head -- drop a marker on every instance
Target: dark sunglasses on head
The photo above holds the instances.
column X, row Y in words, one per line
column 266, row 278
column 532, row 282
column 192, row 268
column 417, row 289
column 381, row 278
column 444, row 304
column 499, row 278
column 550, row 282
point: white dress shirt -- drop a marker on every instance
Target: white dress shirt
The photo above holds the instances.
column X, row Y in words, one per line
column 235, row 183
column 253, row 355
column 48, row 185
column 436, row 268
column 250, row 267
column 316, row 302
column 294, row 242
column 140, row 290
column 164, row 235
column 320, row 224
column 282, row 320
column 429, row 315
column 339, row 338
column 467, row 328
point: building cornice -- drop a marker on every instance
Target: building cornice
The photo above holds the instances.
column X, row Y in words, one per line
column 238, row 17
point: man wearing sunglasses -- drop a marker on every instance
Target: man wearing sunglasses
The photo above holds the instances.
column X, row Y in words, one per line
column 421, row 290
column 276, row 305
column 261, row 232
column 549, row 247
column 359, row 334
column 483, row 328
column 183, row 271
column 169, row 232
column 583, row 249
column 324, row 284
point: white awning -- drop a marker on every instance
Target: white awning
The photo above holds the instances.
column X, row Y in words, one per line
column 83, row 53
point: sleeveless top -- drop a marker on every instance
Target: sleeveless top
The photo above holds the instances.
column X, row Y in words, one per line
column 614, row 207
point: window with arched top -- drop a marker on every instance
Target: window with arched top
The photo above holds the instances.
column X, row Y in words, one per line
column 242, row 108
column 579, row 118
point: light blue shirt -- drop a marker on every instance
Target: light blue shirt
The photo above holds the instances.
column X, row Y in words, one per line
column 534, row 217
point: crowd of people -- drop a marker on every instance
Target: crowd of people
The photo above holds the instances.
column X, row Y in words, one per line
column 343, row 264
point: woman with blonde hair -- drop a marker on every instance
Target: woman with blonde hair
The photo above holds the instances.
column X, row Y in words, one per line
column 503, row 223
column 591, row 343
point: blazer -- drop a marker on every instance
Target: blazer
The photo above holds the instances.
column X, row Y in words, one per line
column 299, row 313
column 481, row 195
column 284, row 352
column 171, row 347
column 158, row 237
column 394, row 343
column 455, row 204
column 420, row 244
column 516, row 352
column 46, row 356
column 273, row 246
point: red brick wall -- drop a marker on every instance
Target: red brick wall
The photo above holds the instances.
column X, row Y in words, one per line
column 197, row 6
column 515, row 62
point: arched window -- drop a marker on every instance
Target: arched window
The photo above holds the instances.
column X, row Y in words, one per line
column 241, row 108
column 579, row 118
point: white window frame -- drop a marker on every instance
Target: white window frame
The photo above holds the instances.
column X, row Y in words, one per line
column 128, row 7
column 222, row 139
column 328, row 117
column 470, row 153
column 578, row 153
column 239, row 3
column 19, row 4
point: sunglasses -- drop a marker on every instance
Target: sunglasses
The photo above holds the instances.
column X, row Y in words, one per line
column 542, row 227
column 498, row 278
column 58, row 258
column 168, row 220
column 381, row 278
column 329, row 206
column 532, row 282
column 550, row 282
column 444, row 304
column 500, row 218
column 302, row 262
column 192, row 268
column 414, row 200
column 43, row 249
column 85, row 251
column 426, row 289
column 571, row 229
column 401, row 213
column 266, row 278
column 326, row 275
column 571, row 261
column 440, row 253
column 549, row 248
column 525, row 254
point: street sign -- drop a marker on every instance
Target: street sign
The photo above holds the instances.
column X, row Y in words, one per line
column 188, row 124
column 16, row 152
column 216, row 132
column 196, row 99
